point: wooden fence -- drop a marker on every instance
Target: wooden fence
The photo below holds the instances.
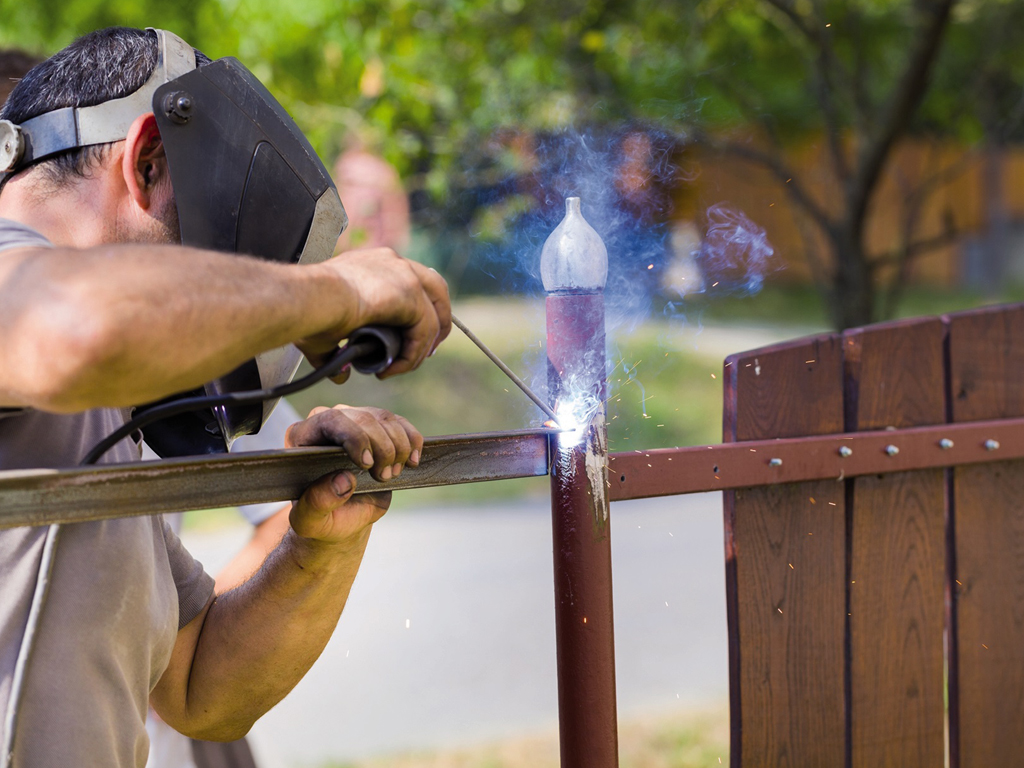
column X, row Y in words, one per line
column 879, row 621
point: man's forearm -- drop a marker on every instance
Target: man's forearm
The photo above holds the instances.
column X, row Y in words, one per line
column 119, row 325
column 257, row 641
column 253, row 644
column 265, row 538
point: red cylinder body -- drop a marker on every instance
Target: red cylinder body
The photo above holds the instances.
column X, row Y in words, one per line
column 581, row 530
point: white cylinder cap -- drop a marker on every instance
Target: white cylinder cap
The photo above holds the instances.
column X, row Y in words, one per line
column 574, row 256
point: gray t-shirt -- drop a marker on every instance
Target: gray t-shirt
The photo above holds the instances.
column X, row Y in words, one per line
column 119, row 592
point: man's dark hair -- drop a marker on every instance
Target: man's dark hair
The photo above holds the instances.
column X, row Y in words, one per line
column 103, row 65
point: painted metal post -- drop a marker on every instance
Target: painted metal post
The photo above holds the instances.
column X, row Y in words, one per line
column 574, row 268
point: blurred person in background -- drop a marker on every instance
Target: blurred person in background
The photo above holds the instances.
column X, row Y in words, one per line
column 375, row 201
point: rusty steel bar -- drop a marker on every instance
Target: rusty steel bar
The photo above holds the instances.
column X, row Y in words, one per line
column 41, row 496
column 672, row 471
column 588, row 730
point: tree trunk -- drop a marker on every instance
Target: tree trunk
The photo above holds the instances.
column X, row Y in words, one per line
column 997, row 219
column 852, row 303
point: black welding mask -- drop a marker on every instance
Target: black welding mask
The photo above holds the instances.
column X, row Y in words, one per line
column 245, row 179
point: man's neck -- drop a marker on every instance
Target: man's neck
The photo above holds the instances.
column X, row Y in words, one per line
column 73, row 215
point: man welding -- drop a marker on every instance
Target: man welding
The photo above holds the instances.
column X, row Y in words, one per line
column 165, row 227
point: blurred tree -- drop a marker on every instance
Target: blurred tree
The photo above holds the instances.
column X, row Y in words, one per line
column 855, row 72
column 458, row 94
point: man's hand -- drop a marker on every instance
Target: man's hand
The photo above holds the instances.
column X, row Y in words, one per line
column 387, row 290
column 122, row 341
column 252, row 644
column 374, row 439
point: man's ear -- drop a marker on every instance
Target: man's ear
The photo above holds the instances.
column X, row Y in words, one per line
column 144, row 162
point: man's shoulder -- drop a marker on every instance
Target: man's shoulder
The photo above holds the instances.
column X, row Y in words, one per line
column 14, row 234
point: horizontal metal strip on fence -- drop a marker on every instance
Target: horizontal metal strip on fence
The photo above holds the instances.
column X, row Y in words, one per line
column 673, row 471
column 40, row 497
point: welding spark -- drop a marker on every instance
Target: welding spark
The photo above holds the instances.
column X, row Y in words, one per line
column 574, row 416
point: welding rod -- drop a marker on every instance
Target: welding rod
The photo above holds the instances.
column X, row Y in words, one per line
column 505, row 369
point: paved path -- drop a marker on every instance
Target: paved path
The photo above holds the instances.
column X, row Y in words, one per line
column 448, row 637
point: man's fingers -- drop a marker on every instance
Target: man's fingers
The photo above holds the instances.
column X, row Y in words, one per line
column 437, row 289
column 312, row 513
column 382, row 446
column 374, row 438
column 343, row 375
column 400, row 440
column 417, row 343
column 328, row 511
column 413, row 436
column 391, row 439
column 330, row 426
column 434, row 325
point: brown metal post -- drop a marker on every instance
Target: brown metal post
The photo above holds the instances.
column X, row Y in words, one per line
column 581, row 526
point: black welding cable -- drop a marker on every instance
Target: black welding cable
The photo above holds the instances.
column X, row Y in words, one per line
column 370, row 350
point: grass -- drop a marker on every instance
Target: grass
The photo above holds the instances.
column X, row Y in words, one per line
column 683, row 740
column 209, row 520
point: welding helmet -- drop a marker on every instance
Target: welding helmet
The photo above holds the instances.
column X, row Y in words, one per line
column 245, row 180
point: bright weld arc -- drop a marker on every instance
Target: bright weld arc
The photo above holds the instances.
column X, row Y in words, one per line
column 574, row 417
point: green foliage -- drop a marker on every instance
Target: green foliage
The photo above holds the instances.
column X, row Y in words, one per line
column 445, row 89
column 978, row 90
column 431, row 82
column 426, row 80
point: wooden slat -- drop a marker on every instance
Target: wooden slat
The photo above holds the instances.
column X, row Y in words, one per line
column 785, row 566
column 986, row 351
column 895, row 378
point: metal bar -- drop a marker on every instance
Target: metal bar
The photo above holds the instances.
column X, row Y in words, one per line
column 41, row 497
column 672, row 471
column 581, row 537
